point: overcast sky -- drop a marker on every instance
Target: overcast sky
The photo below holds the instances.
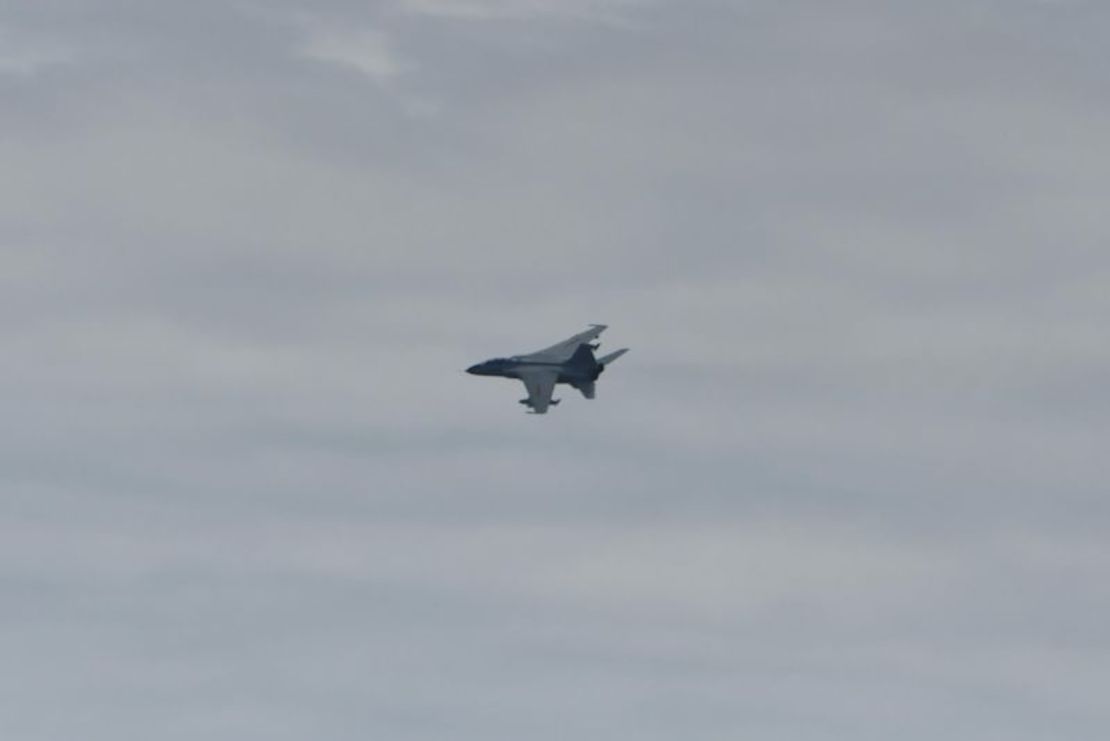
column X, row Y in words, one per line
column 850, row 483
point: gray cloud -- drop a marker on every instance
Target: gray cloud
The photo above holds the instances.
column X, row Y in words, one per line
column 849, row 484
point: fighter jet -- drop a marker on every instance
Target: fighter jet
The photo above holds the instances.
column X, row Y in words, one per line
column 571, row 361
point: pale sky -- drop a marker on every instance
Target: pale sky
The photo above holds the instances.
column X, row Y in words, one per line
column 850, row 483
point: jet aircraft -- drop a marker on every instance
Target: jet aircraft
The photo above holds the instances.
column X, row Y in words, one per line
column 571, row 362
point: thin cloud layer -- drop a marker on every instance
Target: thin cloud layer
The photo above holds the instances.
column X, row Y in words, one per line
column 603, row 11
column 848, row 484
column 24, row 55
column 367, row 51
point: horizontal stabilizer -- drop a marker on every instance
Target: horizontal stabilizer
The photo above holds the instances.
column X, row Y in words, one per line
column 611, row 357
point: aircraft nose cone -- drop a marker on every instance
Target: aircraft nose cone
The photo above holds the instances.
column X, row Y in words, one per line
column 473, row 369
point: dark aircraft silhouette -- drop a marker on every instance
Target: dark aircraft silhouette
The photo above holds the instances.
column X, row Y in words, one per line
column 571, row 361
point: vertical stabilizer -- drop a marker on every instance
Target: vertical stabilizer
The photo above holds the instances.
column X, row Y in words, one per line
column 583, row 358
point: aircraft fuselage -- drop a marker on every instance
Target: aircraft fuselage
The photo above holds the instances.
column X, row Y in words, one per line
column 569, row 373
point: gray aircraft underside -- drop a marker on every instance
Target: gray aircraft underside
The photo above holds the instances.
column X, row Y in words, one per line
column 571, row 362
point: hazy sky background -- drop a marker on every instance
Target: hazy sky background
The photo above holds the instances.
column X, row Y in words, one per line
column 851, row 482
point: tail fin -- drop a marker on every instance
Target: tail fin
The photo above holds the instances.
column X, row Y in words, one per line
column 583, row 356
column 611, row 357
